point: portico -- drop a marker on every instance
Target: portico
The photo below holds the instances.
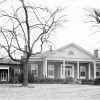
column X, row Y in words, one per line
column 69, row 61
column 71, row 68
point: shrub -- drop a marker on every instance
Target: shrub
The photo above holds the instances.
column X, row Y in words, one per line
column 96, row 81
column 68, row 80
column 48, row 81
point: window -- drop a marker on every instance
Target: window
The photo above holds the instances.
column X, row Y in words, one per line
column 98, row 72
column 51, row 71
column 16, row 72
column 82, row 71
column 34, row 70
column 3, row 75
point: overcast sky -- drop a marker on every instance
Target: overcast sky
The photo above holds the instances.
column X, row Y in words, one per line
column 76, row 30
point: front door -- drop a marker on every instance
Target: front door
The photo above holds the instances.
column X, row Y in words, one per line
column 68, row 72
column 3, row 75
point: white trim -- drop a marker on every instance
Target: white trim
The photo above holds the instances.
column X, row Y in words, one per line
column 70, row 59
column 94, row 70
column 89, row 71
column 5, row 67
column 64, row 68
column 45, row 68
column 77, row 69
column 8, row 74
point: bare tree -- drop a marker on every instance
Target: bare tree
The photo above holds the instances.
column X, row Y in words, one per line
column 28, row 26
column 93, row 17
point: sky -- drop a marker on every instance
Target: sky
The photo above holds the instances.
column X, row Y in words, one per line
column 76, row 29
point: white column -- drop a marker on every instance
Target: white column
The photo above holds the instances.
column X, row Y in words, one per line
column 94, row 70
column 89, row 71
column 8, row 74
column 77, row 69
column 45, row 68
column 73, row 71
column 63, row 68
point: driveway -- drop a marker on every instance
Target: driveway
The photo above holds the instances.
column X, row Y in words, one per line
column 49, row 92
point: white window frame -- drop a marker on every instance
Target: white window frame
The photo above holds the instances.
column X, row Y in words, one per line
column 84, row 70
column 34, row 67
column 98, row 70
column 3, row 76
column 50, row 68
column 5, row 67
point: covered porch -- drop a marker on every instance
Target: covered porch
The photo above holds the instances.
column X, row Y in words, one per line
column 63, row 68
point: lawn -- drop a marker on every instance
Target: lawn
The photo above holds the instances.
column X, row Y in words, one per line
column 49, row 92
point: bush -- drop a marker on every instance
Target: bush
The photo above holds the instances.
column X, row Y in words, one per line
column 68, row 80
column 48, row 81
column 96, row 81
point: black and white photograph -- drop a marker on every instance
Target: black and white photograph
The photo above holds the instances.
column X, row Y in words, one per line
column 49, row 49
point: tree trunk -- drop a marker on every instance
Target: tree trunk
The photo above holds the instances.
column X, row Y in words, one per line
column 25, row 77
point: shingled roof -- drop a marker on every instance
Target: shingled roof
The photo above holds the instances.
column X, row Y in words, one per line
column 8, row 61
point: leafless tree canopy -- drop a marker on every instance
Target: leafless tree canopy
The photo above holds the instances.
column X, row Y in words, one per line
column 28, row 25
column 2, row 1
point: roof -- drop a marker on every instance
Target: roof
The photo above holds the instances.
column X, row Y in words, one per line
column 8, row 61
column 42, row 54
column 47, row 53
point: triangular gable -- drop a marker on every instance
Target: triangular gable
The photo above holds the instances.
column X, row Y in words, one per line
column 71, row 51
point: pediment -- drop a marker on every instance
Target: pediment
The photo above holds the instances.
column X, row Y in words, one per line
column 72, row 51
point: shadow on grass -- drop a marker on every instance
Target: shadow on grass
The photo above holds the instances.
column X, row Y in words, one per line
column 16, row 86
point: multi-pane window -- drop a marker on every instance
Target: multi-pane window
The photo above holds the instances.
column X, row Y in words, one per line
column 82, row 71
column 51, row 71
column 3, row 75
column 34, row 70
column 98, row 72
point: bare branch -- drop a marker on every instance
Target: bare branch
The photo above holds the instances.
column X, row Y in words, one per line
column 29, row 24
column 2, row 1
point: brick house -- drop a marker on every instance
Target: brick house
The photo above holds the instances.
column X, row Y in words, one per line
column 9, row 71
column 70, row 60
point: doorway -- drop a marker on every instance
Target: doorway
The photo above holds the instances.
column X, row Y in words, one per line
column 68, row 72
column 4, row 75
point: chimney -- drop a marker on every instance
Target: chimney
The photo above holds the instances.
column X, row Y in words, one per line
column 50, row 47
column 96, row 53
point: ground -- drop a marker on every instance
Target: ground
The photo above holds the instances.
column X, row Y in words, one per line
column 49, row 92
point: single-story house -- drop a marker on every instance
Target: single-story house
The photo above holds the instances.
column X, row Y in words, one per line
column 68, row 61
column 9, row 71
